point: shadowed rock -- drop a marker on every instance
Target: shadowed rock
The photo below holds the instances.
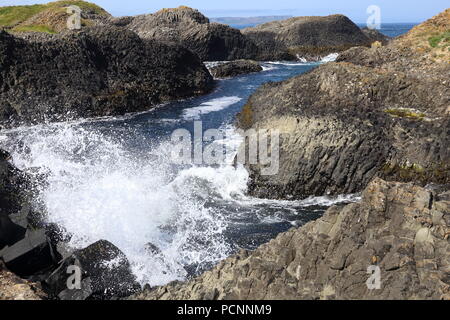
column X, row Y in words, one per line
column 375, row 35
column 191, row 29
column 31, row 255
column 99, row 71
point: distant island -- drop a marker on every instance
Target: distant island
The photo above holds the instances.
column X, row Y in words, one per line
column 245, row 21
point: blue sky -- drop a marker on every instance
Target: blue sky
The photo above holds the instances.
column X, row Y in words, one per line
column 391, row 10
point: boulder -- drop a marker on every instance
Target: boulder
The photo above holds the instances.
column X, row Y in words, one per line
column 305, row 37
column 105, row 273
column 191, row 29
column 235, row 68
column 391, row 231
column 99, row 71
column 31, row 255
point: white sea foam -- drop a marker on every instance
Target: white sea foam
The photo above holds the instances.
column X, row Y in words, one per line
column 213, row 105
column 330, row 58
column 268, row 67
column 98, row 190
column 288, row 63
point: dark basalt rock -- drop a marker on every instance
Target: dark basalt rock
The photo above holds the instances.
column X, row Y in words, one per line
column 105, row 272
column 10, row 232
column 191, row 29
column 12, row 183
column 342, row 124
column 11, row 201
column 377, row 112
column 305, row 37
column 235, row 68
column 99, row 71
column 31, row 255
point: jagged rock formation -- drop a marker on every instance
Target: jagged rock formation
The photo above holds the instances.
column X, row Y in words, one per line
column 235, row 68
column 99, row 71
column 188, row 27
column 305, row 37
column 344, row 123
column 401, row 228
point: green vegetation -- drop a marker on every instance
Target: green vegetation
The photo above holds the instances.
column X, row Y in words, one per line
column 85, row 6
column 35, row 28
column 11, row 16
column 406, row 113
column 437, row 173
column 440, row 40
column 15, row 17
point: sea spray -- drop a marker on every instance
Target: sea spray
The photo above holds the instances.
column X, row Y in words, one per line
column 96, row 190
column 112, row 179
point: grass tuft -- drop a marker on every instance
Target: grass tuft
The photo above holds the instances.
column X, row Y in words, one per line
column 405, row 113
column 440, row 40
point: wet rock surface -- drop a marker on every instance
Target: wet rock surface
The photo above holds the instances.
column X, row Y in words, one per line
column 399, row 228
column 99, row 71
column 105, row 273
column 235, row 68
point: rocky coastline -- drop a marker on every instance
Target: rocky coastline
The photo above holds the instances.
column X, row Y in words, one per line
column 38, row 251
column 368, row 115
column 374, row 122
column 365, row 123
column 401, row 228
column 114, row 66
column 99, row 71
column 309, row 38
